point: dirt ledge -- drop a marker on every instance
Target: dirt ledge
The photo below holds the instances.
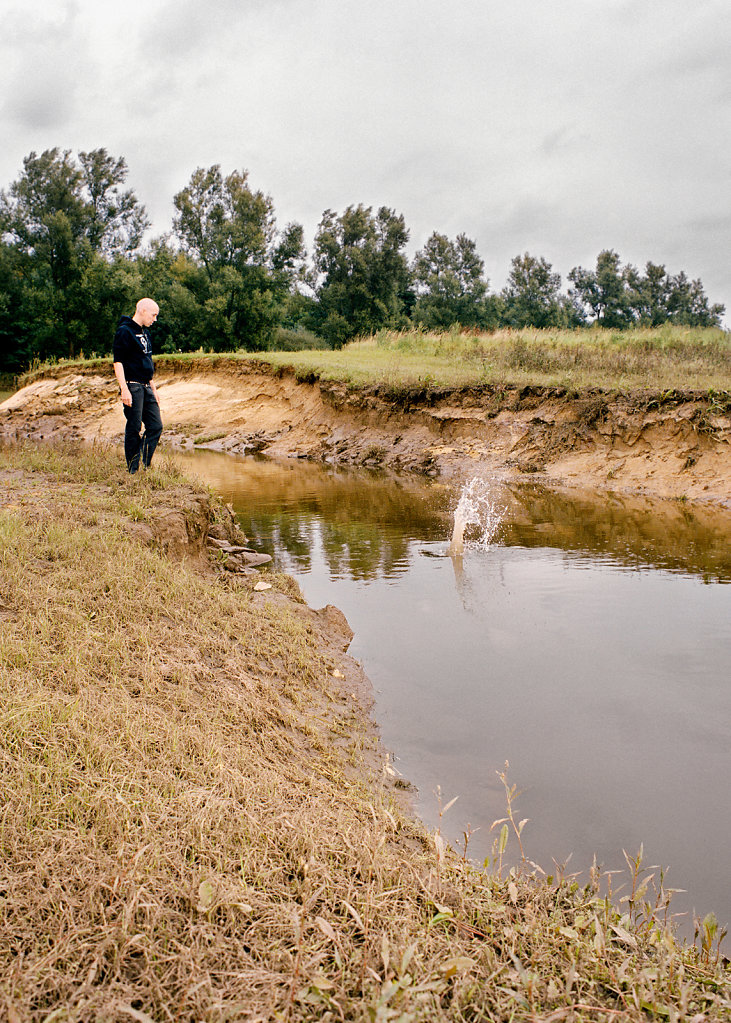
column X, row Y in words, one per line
column 672, row 444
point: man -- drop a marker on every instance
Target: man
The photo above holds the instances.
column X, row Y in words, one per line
column 133, row 368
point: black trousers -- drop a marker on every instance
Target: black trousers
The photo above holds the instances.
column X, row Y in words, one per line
column 144, row 409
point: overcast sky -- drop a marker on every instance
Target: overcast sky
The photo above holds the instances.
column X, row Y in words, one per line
column 557, row 127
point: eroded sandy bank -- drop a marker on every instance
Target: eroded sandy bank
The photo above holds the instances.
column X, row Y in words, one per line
column 671, row 444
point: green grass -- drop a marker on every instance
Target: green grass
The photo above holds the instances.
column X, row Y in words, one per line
column 653, row 359
column 660, row 359
column 194, row 820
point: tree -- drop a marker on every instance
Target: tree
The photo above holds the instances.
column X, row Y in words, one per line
column 65, row 221
column 179, row 285
column 250, row 269
column 222, row 221
column 603, row 290
column 688, row 304
column 531, row 296
column 116, row 221
column 450, row 284
column 648, row 295
column 362, row 275
column 16, row 340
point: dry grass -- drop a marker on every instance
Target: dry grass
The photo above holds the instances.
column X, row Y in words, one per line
column 191, row 828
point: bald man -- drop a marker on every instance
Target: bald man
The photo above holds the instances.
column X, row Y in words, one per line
column 133, row 368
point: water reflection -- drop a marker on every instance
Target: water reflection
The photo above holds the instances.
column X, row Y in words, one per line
column 366, row 522
column 363, row 523
column 633, row 531
column 589, row 646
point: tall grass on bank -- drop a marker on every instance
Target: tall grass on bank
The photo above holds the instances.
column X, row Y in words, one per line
column 654, row 359
column 191, row 827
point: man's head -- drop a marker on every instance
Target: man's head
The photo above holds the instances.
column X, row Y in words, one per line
column 146, row 312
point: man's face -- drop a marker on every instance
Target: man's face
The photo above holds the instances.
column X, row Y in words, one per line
column 148, row 315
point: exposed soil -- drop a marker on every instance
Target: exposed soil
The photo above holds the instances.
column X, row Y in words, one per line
column 670, row 444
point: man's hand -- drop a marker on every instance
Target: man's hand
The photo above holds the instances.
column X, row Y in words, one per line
column 123, row 389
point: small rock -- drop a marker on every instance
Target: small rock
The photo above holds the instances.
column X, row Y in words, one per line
column 337, row 625
column 253, row 560
column 262, row 586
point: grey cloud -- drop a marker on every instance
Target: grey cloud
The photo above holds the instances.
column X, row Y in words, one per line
column 43, row 66
column 329, row 102
column 712, row 224
column 41, row 104
column 527, row 217
column 708, row 57
column 187, row 27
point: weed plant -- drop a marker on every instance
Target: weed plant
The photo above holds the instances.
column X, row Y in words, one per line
column 195, row 824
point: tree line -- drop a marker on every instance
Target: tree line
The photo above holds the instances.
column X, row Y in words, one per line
column 72, row 259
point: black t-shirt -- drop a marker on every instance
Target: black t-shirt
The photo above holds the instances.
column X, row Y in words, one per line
column 133, row 348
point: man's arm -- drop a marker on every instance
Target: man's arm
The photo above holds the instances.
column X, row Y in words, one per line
column 119, row 374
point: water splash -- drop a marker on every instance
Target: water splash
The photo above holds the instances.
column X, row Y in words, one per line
column 478, row 514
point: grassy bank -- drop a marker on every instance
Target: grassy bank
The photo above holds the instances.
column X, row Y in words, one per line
column 193, row 827
column 657, row 360
column 668, row 357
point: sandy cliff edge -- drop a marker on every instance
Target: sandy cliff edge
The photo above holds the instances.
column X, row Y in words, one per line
column 671, row 445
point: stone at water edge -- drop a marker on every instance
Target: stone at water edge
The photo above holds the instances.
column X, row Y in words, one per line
column 262, row 586
column 252, row 560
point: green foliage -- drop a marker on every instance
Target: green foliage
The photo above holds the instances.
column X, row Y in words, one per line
column 66, row 224
column 603, row 290
column 619, row 297
column 531, row 296
column 115, row 219
column 450, row 284
column 249, row 270
column 363, row 280
column 288, row 340
column 227, row 279
column 222, row 222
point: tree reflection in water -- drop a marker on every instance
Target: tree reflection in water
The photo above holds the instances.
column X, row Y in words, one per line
column 365, row 524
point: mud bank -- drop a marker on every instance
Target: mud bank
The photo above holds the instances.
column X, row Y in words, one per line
column 670, row 444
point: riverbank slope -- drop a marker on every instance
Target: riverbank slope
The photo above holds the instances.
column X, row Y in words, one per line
column 198, row 822
column 670, row 443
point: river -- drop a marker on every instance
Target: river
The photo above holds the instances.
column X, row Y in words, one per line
column 588, row 645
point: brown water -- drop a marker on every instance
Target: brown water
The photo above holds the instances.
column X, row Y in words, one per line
column 589, row 644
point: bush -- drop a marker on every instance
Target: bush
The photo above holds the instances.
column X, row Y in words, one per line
column 298, row 340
